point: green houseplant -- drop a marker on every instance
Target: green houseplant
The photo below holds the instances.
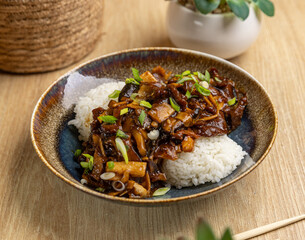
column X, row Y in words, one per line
column 225, row 28
column 239, row 7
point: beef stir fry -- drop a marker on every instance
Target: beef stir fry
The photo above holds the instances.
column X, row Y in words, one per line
column 157, row 116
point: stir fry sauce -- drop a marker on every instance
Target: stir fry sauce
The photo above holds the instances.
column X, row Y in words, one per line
column 157, row 116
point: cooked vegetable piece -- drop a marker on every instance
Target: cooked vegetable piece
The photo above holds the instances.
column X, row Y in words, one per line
column 135, row 169
column 188, row 144
column 148, row 77
column 161, row 112
column 140, row 142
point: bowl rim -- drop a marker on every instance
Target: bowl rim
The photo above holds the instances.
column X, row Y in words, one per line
column 140, row 202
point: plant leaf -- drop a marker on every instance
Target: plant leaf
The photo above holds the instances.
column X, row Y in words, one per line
column 204, row 231
column 206, row 6
column 239, row 7
column 266, row 6
column 227, row 235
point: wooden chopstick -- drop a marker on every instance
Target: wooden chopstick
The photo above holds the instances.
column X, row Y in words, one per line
column 267, row 228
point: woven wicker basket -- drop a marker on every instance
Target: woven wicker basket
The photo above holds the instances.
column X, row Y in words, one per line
column 44, row 35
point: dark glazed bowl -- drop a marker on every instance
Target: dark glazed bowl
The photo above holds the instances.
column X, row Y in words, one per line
column 55, row 141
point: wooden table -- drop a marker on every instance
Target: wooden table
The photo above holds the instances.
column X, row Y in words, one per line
column 35, row 204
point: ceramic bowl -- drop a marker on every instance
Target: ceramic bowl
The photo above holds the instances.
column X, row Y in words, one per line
column 223, row 35
column 55, row 141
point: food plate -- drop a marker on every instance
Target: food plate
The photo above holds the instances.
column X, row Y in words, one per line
column 55, row 141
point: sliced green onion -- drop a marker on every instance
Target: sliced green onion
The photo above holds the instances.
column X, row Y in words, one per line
column 84, row 164
column 182, row 80
column 131, row 81
column 142, row 117
column 136, row 75
column 217, row 79
column 121, row 134
column 77, row 153
column 207, row 76
column 110, row 165
column 123, row 111
column 232, row 101
column 161, row 191
column 108, row 119
column 145, row 104
column 195, row 79
column 185, row 73
column 121, row 147
column 115, row 94
column 99, row 189
column 188, row 94
column 199, row 75
column 203, row 91
column 91, row 159
column 134, row 95
column 174, row 104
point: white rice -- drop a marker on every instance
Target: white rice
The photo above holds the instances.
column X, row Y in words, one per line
column 212, row 159
column 97, row 97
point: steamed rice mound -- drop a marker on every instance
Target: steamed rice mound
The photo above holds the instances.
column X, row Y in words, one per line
column 97, row 97
column 212, row 159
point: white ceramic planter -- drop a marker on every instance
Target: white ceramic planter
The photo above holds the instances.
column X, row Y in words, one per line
column 223, row 35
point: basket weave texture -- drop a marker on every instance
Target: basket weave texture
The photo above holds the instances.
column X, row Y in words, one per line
column 44, row 35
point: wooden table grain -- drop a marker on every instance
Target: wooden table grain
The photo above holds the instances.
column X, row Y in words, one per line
column 35, row 204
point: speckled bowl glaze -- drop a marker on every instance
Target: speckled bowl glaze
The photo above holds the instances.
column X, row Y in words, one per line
column 55, row 141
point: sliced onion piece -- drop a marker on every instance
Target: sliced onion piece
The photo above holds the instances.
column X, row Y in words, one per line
column 107, row 175
column 118, row 186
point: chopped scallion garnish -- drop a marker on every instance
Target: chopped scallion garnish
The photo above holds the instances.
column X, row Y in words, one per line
column 142, row 117
column 232, row 101
column 91, row 159
column 199, row 75
column 84, row 164
column 188, row 94
column 77, row 153
column 194, row 78
column 145, row 104
column 203, row 91
column 131, row 81
column 217, row 79
column 161, row 191
column 136, row 75
column 121, row 147
column 115, row 94
column 107, row 119
column 185, row 73
column 207, row 76
column 174, row 104
column 110, row 165
column 182, row 80
column 121, row 134
column 133, row 96
column 99, row 189
column 123, row 111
